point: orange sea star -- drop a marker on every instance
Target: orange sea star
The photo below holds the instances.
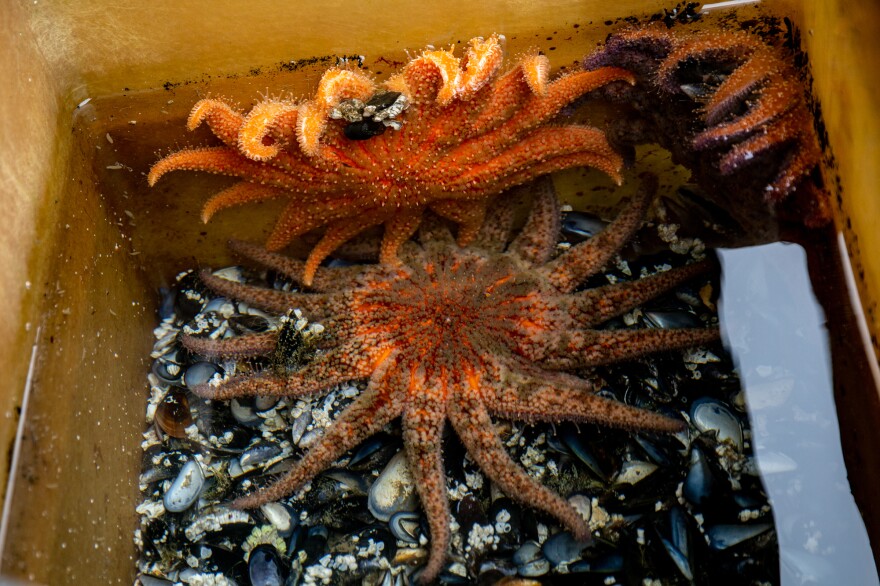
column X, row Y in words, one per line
column 730, row 96
column 460, row 334
column 466, row 133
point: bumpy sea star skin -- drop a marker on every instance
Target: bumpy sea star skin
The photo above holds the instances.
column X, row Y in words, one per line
column 461, row 334
column 729, row 107
column 468, row 133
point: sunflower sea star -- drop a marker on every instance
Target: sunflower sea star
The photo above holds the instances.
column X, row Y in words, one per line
column 729, row 107
column 460, row 334
column 464, row 133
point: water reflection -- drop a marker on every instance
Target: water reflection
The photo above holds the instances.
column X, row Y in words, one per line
column 775, row 330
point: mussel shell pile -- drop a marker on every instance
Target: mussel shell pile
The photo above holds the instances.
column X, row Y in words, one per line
column 682, row 509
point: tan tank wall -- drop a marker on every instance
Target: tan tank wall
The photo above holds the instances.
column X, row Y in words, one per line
column 72, row 283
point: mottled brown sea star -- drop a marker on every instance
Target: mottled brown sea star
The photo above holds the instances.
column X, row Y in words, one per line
column 467, row 134
column 461, row 334
column 730, row 107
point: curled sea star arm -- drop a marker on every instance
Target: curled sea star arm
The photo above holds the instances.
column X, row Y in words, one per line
column 553, row 404
column 767, row 110
column 268, row 299
column 594, row 306
column 472, row 423
column 241, row 192
column 326, row 279
column 727, row 46
column 583, row 348
column 223, row 121
column 423, row 421
column 367, row 415
column 747, row 78
column 537, row 240
column 255, row 139
column 238, row 347
column 568, row 270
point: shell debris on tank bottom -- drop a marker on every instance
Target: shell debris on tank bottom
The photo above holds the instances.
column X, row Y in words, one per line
column 673, row 509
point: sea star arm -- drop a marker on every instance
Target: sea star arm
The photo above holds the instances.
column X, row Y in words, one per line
column 237, row 347
column 721, row 46
column 368, row 414
column 255, row 139
column 537, row 240
column 337, row 233
column 594, row 306
column 300, row 217
column 544, row 147
column 786, row 129
column 267, row 299
column 528, row 77
column 423, row 421
column 569, row 269
column 652, row 40
column 472, row 423
column 769, row 107
column 469, row 216
column 241, row 193
column 363, row 249
column 737, row 86
column 398, row 229
column 497, row 228
column 539, row 108
column 223, row 121
column 225, row 161
column 554, row 404
column 326, row 279
column 342, row 364
column 583, row 348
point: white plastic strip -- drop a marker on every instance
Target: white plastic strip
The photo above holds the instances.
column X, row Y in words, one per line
column 16, row 449
column 728, row 4
column 859, row 312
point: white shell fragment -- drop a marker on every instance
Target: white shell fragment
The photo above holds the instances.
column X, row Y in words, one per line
column 710, row 415
column 185, row 489
column 394, row 490
column 634, row 471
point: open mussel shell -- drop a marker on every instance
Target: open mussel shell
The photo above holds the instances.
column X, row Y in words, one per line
column 266, row 567
column 172, row 414
column 712, row 416
column 167, row 368
column 190, row 296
